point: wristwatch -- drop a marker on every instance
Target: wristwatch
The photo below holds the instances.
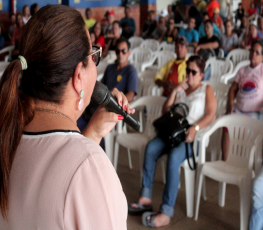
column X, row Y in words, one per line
column 196, row 127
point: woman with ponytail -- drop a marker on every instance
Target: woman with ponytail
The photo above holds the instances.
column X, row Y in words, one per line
column 51, row 175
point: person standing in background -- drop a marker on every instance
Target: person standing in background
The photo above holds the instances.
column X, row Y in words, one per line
column 90, row 22
column 12, row 26
column 211, row 6
column 127, row 24
column 26, row 14
column 224, row 9
column 34, row 8
column 149, row 26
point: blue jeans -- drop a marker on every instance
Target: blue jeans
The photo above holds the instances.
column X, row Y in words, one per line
column 256, row 215
column 207, row 73
column 154, row 150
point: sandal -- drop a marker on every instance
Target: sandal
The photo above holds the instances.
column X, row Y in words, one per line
column 140, row 209
column 148, row 218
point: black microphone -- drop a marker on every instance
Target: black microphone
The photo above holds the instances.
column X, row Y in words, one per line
column 102, row 96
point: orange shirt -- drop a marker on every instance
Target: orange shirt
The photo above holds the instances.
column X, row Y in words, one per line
column 210, row 8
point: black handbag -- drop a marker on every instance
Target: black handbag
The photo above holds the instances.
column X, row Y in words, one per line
column 171, row 127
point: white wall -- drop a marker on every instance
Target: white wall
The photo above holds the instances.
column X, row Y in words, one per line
column 161, row 4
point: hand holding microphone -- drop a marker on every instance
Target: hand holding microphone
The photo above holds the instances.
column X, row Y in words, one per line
column 101, row 95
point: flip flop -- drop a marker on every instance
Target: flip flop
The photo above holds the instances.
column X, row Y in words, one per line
column 148, row 218
column 139, row 210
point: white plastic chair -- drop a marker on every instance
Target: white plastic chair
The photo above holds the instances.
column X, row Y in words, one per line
column 135, row 41
column 101, row 69
column 167, row 47
column 111, row 57
column 140, row 56
column 150, row 44
column 138, row 141
column 237, row 55
column 146, row 81
column 221, row 92
column 219, row 68
column 3, row 66
column 161, row 57
column 8, row 50
column 228, row 78
column 221, row 53
column 245, row 137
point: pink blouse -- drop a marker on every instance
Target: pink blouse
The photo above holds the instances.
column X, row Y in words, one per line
column 63, row 180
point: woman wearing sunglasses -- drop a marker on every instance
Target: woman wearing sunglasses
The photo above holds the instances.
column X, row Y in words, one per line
column 202, row 106
column 52, row 176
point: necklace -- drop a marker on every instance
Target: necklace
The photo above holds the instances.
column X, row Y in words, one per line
column 52, row 111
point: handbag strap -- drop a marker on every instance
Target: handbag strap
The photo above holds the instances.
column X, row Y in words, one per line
column 187, row 156
column 181, row 105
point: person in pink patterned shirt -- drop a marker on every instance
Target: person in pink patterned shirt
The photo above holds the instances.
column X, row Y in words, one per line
column 247, row 89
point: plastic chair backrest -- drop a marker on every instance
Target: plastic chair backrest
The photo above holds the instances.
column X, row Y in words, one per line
column 167, row 47
column 147, row 80
column 8, row 50
column 221, row 53
column 150, row 44
column 219, row 68
column 101, row 69
column 221, row 92
column 163, row 57
column 153, row 106
column 228, row 78
column 138, row 56
column 237, row 55
column 244, row 133
column 135, row 41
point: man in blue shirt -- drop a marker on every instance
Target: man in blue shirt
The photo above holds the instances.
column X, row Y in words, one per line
column 190, row 33
column 201, row 29
column 122, row 75
column 127, row 24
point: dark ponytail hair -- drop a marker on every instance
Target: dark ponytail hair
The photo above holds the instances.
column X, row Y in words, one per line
column 53, row 42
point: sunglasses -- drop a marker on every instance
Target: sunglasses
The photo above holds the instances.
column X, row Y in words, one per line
column 96, row 54
column 257, row 52
column 188, row 71
column 124, row 51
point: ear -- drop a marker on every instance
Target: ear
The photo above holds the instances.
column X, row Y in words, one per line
column 201, row 76
column 77, row 78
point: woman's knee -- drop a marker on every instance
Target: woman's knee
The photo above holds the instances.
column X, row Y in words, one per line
column 154, row 148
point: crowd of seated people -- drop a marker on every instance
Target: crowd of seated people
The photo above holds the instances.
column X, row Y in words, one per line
column 215, row 29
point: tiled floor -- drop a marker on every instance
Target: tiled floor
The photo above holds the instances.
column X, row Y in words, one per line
column 211, row 216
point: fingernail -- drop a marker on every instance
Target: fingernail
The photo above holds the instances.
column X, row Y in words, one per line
column 125, row 107
column 120, row 118
column 120, row 102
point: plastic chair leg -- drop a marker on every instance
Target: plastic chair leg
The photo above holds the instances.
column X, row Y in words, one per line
column 222, row 194
column 203, row 189
column 198, row 195
column 129, row 157
column 189, row 188
column 116, row 155
column 245, row 200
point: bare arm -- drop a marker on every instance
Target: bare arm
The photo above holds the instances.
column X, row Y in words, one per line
column 130, row 96
column 210, row 111
column 210, row 45
column 231, row 96
column 170, row 100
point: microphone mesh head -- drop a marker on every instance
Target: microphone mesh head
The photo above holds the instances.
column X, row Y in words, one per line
column 100, row 92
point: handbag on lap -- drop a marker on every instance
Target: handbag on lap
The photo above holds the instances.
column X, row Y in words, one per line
column 172, row 126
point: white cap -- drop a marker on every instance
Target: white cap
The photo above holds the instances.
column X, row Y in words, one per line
column 163, row 13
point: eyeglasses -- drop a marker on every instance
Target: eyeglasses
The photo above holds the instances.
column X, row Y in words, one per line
column 96, row 54
column 124, row 51
column 188, row 71
column 257, row 52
